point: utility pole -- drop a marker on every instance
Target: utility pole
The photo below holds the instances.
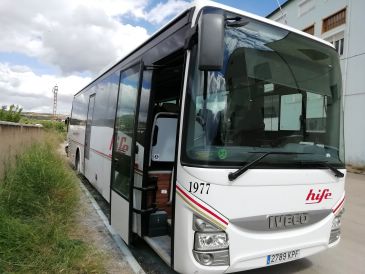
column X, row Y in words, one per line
column 55, row 91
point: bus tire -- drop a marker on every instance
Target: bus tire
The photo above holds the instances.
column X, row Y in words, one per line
column 77, row 162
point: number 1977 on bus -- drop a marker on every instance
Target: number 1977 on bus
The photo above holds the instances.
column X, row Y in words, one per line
column 202, row 188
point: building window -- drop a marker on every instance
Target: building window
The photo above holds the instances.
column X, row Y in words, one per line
column 338, row 41
column 305, row 6
column 339, row 45
column 309, row 30
column 335, row 20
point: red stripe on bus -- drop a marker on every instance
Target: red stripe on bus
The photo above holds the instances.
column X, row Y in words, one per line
column 101, row 153
column 201, row 206
column 111, row 143
column 339, row 205
column 97, row 151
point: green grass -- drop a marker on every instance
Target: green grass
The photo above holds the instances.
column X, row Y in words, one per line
column 47, row 124
column 37, row 205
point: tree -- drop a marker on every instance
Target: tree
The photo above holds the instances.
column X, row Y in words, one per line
column 12, row 114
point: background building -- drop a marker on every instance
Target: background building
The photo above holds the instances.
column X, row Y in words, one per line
column 342, row 23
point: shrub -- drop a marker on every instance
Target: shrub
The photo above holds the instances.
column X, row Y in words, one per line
column 10, row 115
column 37, row 203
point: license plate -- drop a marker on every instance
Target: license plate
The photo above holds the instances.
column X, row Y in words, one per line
column 282, row 257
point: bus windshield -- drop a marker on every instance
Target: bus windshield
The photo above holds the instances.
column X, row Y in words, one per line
column 277, row 91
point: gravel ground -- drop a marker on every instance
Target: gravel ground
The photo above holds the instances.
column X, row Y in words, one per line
column 94, row 232
column 91, row 229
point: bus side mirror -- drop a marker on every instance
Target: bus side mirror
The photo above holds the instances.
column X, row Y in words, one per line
column 211, row 40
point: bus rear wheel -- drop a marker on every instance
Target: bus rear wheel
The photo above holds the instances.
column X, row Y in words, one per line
column 77, row 163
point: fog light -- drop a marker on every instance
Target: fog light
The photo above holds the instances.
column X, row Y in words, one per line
column 210, row 241
column 336, row 228
column 336, row 223
column 206, row 258
column 213, row 258
column 334, row 236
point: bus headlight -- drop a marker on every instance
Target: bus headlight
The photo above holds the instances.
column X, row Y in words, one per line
column 211, row 246
column 210, row 241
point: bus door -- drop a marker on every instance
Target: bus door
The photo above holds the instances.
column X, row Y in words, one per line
column 123, row 156
column 90, row 113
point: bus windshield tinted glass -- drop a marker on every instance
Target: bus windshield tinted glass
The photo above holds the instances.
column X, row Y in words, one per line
column 277, row 91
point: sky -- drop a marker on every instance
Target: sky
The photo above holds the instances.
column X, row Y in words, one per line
column 67, row 43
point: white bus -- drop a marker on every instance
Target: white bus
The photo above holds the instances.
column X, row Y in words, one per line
column 219, row 141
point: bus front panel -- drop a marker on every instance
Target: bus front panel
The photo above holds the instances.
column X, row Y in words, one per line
column 260, row 178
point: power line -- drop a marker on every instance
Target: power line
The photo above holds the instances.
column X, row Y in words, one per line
column 281, row 10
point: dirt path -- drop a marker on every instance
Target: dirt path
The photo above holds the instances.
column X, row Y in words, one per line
column 91, row 229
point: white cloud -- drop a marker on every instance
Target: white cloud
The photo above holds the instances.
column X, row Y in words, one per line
column 78, row 35
column 163, row 11
column 74, row 35
column 20, row 86
column 115, row 7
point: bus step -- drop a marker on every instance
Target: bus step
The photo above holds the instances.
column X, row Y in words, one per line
column 161, row 245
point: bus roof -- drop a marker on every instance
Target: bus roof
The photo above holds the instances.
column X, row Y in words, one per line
column 197, row 5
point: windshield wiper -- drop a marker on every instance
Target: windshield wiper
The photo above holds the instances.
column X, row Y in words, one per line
column 337, row 173
column 234, row 175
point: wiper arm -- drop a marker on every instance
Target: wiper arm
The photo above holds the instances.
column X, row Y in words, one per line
column 337, row 173
column 234, row 175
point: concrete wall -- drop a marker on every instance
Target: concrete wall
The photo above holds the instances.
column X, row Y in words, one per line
column 14, row 138
column 355, row 84
column 352, row 60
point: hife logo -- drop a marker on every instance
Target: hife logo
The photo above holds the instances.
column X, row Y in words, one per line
column 123, row 147
column 317, row 197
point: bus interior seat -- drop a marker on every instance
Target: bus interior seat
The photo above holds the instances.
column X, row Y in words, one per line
column 248, row 125
column 211, row 124
column 170, row 107
column 247, row 120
